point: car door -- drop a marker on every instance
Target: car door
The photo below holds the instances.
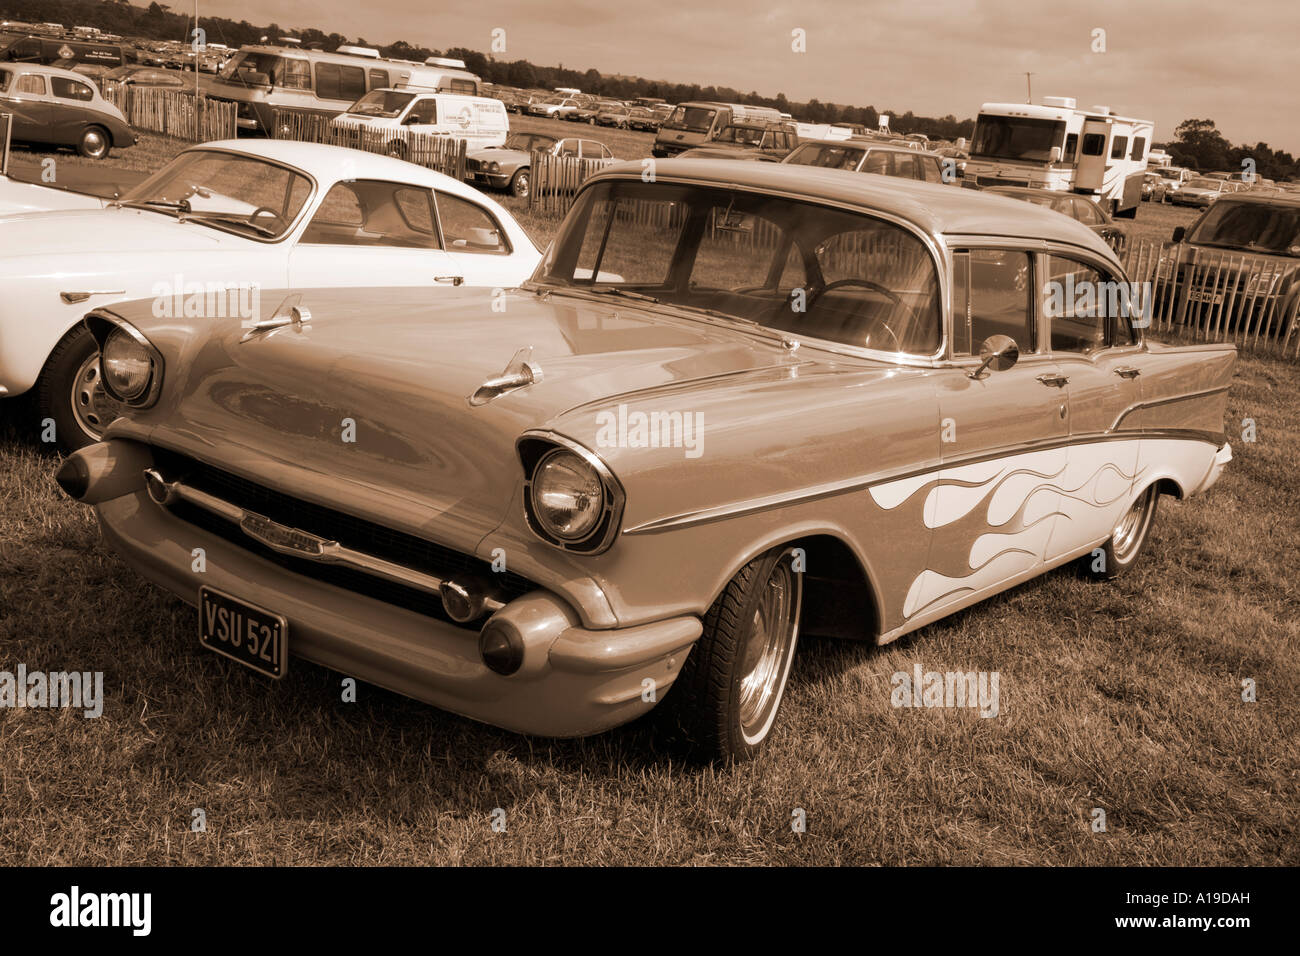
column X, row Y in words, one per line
column 1097, row 353
column 594, row 155
column 1002, row 435
column 28, row 99
column 372, row 233
column 72, row 108
column 476, row 243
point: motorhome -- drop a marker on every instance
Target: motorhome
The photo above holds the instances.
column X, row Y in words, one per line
column 1055, row 145
column 696, row 123
column 261, row 79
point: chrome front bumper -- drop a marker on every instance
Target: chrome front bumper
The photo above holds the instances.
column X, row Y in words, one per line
column 574, row 681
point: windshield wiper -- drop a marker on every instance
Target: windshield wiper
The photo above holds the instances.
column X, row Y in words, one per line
column 623, row 293
column 182, row 206
column 234, row 220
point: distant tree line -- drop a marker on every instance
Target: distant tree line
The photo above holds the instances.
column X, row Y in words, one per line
column 1197, row 144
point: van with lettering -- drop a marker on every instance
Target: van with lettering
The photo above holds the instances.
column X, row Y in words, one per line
column 480, row 121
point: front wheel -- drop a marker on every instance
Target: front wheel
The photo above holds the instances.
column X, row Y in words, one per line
column 71, row 395
column 94, row 142
column 1128, row 538
column 725, row 701
column 519, row 184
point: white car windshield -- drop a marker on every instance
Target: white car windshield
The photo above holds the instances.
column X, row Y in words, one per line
column 228, row 191
column 761, row 260
column 385, row 103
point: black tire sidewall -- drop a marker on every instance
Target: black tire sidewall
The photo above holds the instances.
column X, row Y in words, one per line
column 54, row 389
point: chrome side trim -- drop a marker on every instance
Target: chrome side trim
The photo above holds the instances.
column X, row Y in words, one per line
column 274, row 536
column 72, row 298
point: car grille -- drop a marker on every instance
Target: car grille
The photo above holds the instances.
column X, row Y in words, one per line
column 352, row 532
column 472, row 165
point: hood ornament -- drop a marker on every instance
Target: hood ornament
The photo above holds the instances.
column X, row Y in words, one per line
column 520, row 373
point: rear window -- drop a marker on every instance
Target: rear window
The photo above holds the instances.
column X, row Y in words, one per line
column 70, row 89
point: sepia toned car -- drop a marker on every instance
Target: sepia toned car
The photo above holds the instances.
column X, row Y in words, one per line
column 212, row 228
column 735, row 404
column 55, row 107
column 510, row 167
column 866, row 156
column 1081, row 208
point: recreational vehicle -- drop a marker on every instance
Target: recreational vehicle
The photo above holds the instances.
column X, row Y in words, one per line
column 1057, row 146
column 262, row 79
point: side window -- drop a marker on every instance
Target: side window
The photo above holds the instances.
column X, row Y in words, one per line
column 991, row 295
column 6, row 77
column 1087, row 308
column 327, row 81
column 1119, row 147
column 378, row 79
column 932, row 169
column 297, row 74
column 424, row 111
column 352, row 82
column 877, row 162
column 1139, row 147
column 1093, row 144
column 468, row 227
column 1071, row 144
column 68, row 89
column 568, row 147
column 1086, row 212
column 371, row 213
column 31, row 83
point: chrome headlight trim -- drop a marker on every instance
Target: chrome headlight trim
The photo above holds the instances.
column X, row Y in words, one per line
column 101, row 323
column 532, row 447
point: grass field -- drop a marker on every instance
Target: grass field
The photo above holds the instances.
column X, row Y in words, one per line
column 1122, row 696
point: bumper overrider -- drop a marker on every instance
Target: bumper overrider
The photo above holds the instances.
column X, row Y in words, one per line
column 515, row 655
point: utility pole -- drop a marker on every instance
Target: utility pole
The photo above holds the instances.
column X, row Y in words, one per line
column 1029, row 86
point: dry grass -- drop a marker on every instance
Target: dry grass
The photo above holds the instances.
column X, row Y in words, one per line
column 1124, row 696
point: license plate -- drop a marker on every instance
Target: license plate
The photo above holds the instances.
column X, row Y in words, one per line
column 1197, row 295
column 251, row 635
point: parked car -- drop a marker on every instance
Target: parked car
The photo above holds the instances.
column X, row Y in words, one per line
column 1201, row 191
column 510, row 538
column 74, row 187
column 226, row 219
column 1153, row 188
column 510, row 166
column 616, row 116
column 554, row 107
column 139, row 75
column 1240, row 260
column 588, row 112
column 1077, row 207
column 1174, row 177
column 869, row 157
column 55, row 107
column 756, row 140
column 646, row 120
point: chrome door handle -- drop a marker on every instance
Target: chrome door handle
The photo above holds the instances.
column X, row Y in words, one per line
column 454, row 280
column 1053, row 381
column 1128, row 371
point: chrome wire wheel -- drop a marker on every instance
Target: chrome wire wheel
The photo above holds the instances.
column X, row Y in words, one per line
column 1131, row 530
column 772, row 632
column 92, row 409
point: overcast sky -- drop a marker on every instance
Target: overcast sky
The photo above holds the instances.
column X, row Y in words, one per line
column 1166, row 60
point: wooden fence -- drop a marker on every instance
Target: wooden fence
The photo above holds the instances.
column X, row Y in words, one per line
column 444, row 154
column 555, row 180
column 1218, row 295
column 178, row 113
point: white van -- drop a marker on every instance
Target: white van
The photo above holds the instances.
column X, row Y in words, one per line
column 478, row 120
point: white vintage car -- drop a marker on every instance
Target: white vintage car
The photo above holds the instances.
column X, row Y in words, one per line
column 207, row 232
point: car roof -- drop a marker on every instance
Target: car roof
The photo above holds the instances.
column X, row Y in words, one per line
column 1263, row 199
column 933, row 207
column 41, row 68
column 326, row 163
column 869, row 145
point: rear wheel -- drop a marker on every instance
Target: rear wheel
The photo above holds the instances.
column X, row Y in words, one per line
column 71, row 394
column 725, row 701
column 1128, row 538
column 94, row 142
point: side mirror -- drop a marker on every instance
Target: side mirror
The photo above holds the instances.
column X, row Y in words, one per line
column 1179, row 233
column 998, row 352
column 1055, row 155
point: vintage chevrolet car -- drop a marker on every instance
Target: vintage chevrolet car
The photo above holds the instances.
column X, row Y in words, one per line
column 57, row 107
column 211, row 229
column 733, row 405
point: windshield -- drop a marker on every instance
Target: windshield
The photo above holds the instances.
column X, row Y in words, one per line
column 760, row 260
column 244, row 65
column 697, row 119
column 1252, row 227
column 385, row 103
column 527, row 142
column 826, row 156
column 1016, row 138
column 229, row 191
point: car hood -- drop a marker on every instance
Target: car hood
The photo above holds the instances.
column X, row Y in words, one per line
column 498, row 154
column 68, row 233
column 394, row 372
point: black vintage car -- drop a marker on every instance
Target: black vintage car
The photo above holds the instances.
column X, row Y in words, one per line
column 61, row 108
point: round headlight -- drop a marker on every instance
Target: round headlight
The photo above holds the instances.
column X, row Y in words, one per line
column 126, row 366
column 494, row 167
column 567, row 494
